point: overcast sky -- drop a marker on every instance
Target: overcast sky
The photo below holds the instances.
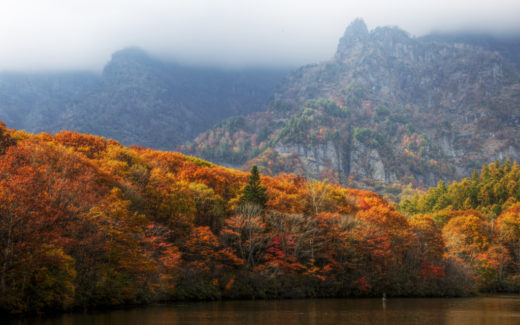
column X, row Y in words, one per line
column 70, row 34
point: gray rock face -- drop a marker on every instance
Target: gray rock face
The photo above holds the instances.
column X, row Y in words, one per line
column 353, row 41
column 367, row 163
column 315, row 160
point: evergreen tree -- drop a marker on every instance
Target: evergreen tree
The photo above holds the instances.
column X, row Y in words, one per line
column 254, row 192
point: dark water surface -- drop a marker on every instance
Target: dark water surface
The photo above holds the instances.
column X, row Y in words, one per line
column 473, row 311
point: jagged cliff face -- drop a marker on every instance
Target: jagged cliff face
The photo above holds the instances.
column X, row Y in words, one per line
column 394, row 109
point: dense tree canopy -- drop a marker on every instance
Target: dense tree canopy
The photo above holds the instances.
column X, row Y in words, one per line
column 479, row 219
column 492, row 191
column 86, row 222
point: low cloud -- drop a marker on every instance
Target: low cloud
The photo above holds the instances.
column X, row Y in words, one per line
column 53, row 34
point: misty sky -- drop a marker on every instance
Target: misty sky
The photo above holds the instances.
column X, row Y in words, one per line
column 71, row 34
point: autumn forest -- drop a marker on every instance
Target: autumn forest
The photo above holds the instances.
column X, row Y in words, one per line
column 86, row 222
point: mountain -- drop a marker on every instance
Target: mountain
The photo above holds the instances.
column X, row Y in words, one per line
column 137, row 99
column 388, row 108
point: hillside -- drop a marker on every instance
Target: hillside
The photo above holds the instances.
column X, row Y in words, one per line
column 34, row 101
column 492, row 191
column 388, row 108
column 137, row 99
column 86, row 222
column 480, row 220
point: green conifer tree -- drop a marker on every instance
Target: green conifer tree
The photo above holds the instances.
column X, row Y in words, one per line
column 254, row 192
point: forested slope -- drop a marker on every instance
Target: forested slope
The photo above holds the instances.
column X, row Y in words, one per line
column 480, row 220
column 86, row 222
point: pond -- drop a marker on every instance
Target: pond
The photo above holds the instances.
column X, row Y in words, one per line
column 460, row 311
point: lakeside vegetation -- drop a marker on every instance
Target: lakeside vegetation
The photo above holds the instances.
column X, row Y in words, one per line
column 480, row 221
column 86, row 222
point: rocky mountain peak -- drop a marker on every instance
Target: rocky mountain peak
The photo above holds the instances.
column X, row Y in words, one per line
column 357, row 39
column 390, row 34
column 357, row 29
column 354, row 37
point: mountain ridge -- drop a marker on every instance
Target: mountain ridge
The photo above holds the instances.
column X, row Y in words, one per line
column 397, row 109
column 137, row 99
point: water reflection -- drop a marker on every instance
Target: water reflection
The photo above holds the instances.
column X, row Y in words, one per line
column 474, row 311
